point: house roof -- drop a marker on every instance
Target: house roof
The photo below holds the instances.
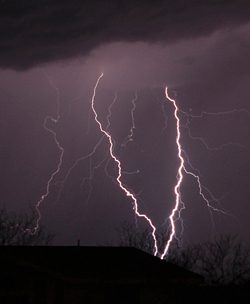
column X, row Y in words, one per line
column 91, row 263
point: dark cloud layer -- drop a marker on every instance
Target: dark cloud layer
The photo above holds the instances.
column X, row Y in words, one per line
column 37, row 32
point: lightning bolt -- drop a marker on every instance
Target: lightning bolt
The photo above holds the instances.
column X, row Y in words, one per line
column 118, row 179
column 182, row 156
column 181, row 169
column 55, row 120
column 180, row 177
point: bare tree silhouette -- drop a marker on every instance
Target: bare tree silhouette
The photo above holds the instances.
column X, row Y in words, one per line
column 222, row 261
column 13, row 229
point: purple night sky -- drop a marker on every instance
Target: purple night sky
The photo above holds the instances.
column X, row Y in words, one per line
column 52, row 53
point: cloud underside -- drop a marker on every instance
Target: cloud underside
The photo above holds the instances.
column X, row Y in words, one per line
column 38, row 32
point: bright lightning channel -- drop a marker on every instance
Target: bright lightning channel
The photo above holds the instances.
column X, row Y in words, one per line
column 182, row 168
column 118, row 179
column 180, row 177
column 179, row 205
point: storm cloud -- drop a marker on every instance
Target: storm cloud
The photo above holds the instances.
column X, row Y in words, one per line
column 38, row 32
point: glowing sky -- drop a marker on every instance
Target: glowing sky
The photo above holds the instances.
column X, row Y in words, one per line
column 199, row 49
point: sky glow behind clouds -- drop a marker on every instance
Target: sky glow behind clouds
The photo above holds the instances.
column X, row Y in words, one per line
column 200, row 49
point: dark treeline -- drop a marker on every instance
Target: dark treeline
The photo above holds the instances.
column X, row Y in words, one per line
column 222, row 261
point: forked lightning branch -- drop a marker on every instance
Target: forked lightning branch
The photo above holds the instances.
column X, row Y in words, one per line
column 182, row 170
